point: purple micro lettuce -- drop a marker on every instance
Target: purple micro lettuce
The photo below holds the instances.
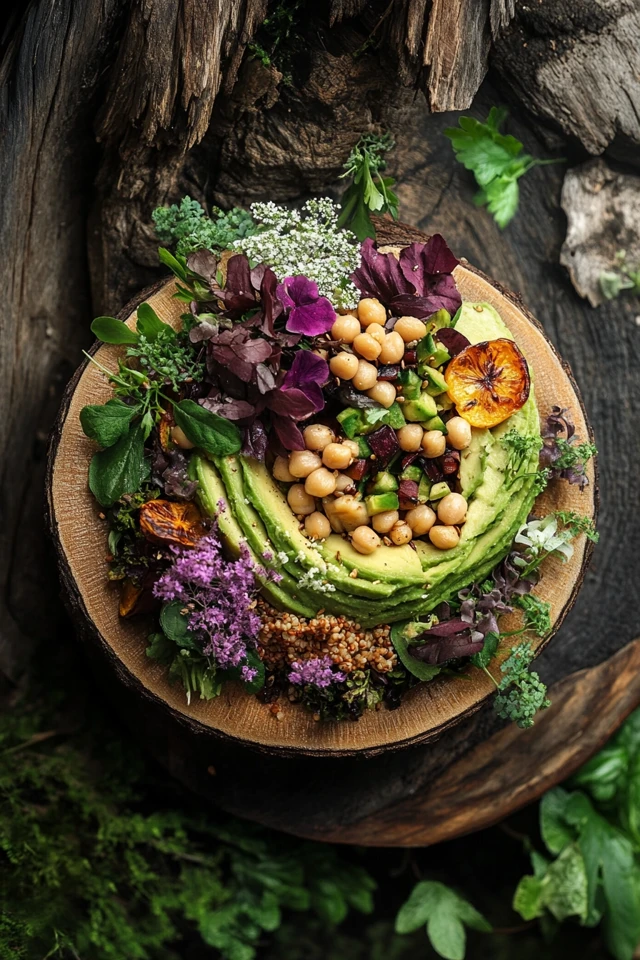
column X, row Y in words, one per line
column 309, row 313
column 561, row 455
column 417, row 284
column 254, row 441
column 318, row 672
column 219, row 595
column 237, row 351
column 300, row 392
column 169, row 469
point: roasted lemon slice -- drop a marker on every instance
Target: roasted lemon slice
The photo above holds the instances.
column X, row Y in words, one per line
column 488, row 382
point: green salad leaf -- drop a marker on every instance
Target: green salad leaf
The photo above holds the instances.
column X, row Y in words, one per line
column 445, row 913
column 107, row 422
column 119, row 469
column 213, row 434
column 111, row 330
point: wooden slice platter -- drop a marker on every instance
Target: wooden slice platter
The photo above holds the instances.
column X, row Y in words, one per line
column 235, row 716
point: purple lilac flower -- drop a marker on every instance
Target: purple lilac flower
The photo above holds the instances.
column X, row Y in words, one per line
column 248, row 673
column 220, row 594
column 318, row 672
column 309, row 313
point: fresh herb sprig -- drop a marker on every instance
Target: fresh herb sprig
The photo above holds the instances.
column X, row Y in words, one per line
column 495, row 159
column 369, row 191
column 521, row 450
column 142, row 397
column 187, row 227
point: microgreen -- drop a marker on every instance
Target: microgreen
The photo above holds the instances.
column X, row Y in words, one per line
column 521, row 693
column 496, row 160
column 521, row 450
column 369, row 192
column 537, row 613
column 577, row 524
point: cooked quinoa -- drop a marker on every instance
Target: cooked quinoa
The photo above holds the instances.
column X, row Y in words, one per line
column 286, row 638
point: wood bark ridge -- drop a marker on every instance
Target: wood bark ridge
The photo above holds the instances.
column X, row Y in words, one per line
column 430, row 708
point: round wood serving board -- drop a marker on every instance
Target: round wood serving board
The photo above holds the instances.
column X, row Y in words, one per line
column 235, row 716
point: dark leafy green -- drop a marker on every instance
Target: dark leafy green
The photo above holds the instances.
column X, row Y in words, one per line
column 445, row 913
column 149, row 324
column 110, row 330
column 107, row 423
column 213, row 434
column 119, row 469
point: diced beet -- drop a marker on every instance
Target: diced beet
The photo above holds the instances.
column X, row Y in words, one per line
column 384, row 443
column 408, row 494
column 450, row 462
column 408, row 459
column 388, row 371
column 410, row 357
column 433, row 470
column 358, row 470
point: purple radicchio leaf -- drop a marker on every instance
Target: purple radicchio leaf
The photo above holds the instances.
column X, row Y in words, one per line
column 288, row 433
column 452, row 340
column 379, row 275
column 254, row 443
column 384, row 443
column 205, row 264
column 309, row 313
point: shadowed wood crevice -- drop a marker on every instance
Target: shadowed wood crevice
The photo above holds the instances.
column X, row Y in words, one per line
column 429, row 709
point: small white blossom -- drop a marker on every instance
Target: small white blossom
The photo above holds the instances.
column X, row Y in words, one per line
column 542, row 537
column 282, row 556
column 307, row 242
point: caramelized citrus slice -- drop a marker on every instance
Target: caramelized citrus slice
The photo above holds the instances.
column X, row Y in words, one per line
column 488, row 382
column 166, row 522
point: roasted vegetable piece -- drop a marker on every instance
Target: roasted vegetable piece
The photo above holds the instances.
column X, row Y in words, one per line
column 488, row 382
column 166, row 522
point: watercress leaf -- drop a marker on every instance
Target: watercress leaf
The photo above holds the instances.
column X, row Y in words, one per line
column 110, row 330
column 212, row 433
column 488, row 652
column 160, row 648
column 175, row 624
column 106, row 423
column 119, row 469
column 527, row 900
column 446, row 914
column 556, row 833
column 149, row 324
column 175, row 264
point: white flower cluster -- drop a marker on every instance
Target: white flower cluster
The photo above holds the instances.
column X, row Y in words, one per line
column 313, row 579
column 306, row 242
column 543, row 537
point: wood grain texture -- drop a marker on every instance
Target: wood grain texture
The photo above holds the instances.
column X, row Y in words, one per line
column 429, row 709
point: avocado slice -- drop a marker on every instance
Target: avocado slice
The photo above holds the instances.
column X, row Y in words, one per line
column 423, row 408
column 436, row 382
column 384, row 482
column 380, row 502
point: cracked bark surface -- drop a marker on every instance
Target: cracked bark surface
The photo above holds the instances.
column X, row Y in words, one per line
column 78, row 192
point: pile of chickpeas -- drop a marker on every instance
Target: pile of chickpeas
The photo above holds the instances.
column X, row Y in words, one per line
column 315, row 473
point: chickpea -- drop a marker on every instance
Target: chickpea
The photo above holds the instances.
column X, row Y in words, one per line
column 346, row 329
column 321, row 352
column 392, row 348
column 366, row 376
column 371, row 311
column 383, row 522
column 320, row 483
column 351, row 512
column 328, row 505
column 377, row 332
column 383, row 392
column 180, row 439
column 410, row 437
column 337, row 456
column 401, row 533
column 303, row 462
column 366, row 346
column 343, row 312
column 365, row 540
column 353, row 446
column 452, row 509
column 317, row 436
column 420, row 519
column 444, row 538
column 316, row 526
column 344, row 365
column 410, row 328
column 281, row 470
column 434, row 443
column 459, row 433
column 343, row 483
column 301, row 502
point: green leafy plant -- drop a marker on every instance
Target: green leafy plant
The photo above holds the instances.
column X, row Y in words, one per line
column 187, row 227
column 495, row 159
column 279, row 37
column 445, row 913
column 615, row 282
column 369, row 192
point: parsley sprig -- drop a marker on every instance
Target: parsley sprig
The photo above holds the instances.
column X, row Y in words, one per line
column 188, row 226
column 521, row 450
column 495, row 159
column 369, row 192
